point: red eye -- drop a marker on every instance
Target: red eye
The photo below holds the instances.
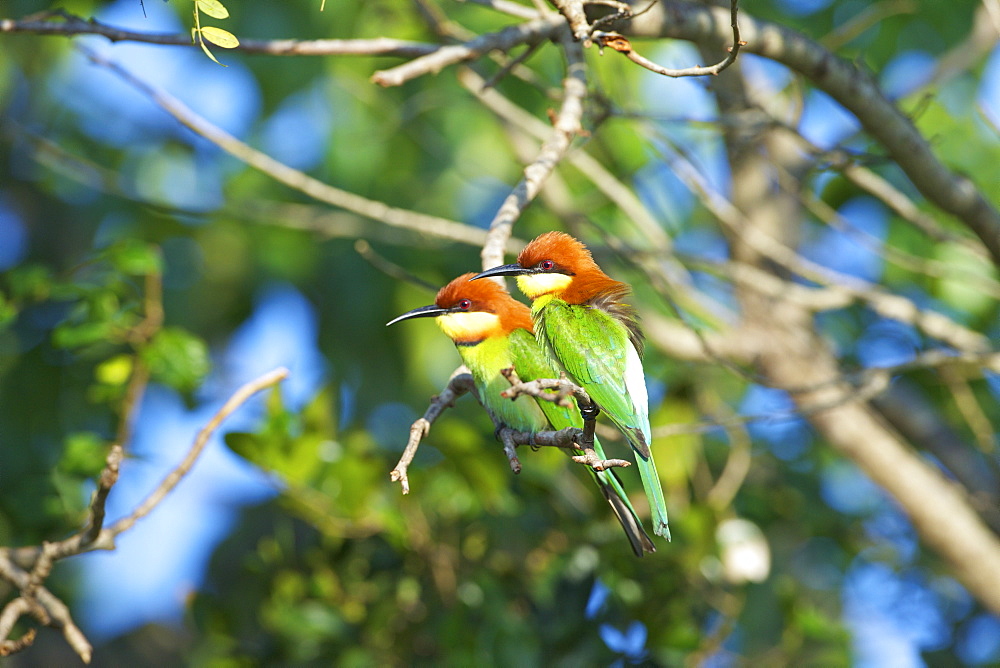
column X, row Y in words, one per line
column 546, row 264
column 464, row 304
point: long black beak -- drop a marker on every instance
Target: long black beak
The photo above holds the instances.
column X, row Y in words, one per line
column 503, row 270
column 422, row 312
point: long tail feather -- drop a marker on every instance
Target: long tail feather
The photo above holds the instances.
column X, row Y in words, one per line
column 654, row 493
column 613, row 491
column 637, row 537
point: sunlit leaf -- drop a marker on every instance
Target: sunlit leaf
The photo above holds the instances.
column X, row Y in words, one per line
column 213, row 8
column 135, row 258
column 177, row 358
column 115, row 371
column 208, row 53
column 220, row 37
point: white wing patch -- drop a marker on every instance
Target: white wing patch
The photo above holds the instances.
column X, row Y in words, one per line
column 635, row 384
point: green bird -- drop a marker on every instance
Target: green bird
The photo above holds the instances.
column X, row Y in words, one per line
column 581, row 322
column 492, row 332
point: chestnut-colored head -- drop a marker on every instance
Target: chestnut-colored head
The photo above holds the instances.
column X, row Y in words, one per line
column 557, row 253
column 557, row 264
column 468, row 310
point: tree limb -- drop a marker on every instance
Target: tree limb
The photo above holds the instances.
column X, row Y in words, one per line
column 459, row 383
column 47, row 607
column 852, row 88
column 529, row 33
column 568, row 122
column 281, row 172
column 71, row 25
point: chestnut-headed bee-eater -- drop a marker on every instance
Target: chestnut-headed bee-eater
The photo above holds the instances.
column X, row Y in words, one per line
column 492, row 332
column 581, row 322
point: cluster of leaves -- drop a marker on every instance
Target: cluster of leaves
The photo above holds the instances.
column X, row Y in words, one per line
column 216, row 36
column 101, row 324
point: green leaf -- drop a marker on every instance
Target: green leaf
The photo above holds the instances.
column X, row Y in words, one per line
column 83, row 454
column 135, row 258
column 8, row 311
column 246, row 445
column 77, row 335
column 213, row 8
column 177, row 359
column 220, row 37
column 208, row 53
column 115, row 371
column 31, row 282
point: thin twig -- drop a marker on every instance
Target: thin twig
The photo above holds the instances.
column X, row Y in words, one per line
column 511, row 64
column 840, row 285
column 74, row 25
column 239, row 397
column 619, row 43
column 737, row 465
column 565, row 391
column 864, row 385
column 568, row 122
column 507, row 7
column 603, row 179
column 293, row 178
column 459, row 383
column 389, row 268
column 53, row 611
column 529, row 33
column 107, row 480
column 968, row 405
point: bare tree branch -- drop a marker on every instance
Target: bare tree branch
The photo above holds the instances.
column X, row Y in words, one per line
column 293, row 178
column 459, row 383
column 854, row 89
column 38, row 600
column 614, row 40
column 239, row 397
column 567, row 124
column 48, row 23
column 797, row 356
column 840, row 286
column 529, row 33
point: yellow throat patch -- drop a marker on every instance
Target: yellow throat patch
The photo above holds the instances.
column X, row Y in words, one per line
column 535, row 285
column 468, row 326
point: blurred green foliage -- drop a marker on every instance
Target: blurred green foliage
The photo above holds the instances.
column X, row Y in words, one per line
column 475, row 566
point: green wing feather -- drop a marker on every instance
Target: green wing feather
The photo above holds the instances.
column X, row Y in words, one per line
column 594, row 348
column 591, row 345
column 531, row 363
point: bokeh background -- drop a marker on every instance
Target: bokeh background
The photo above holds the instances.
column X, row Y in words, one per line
column 287, row 544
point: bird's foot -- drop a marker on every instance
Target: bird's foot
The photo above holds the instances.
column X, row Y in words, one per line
column 590, row 458
column 589, row 412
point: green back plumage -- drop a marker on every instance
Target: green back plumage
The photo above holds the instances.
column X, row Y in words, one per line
column 531, row 363
column 597, row 352
column 593, row 347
